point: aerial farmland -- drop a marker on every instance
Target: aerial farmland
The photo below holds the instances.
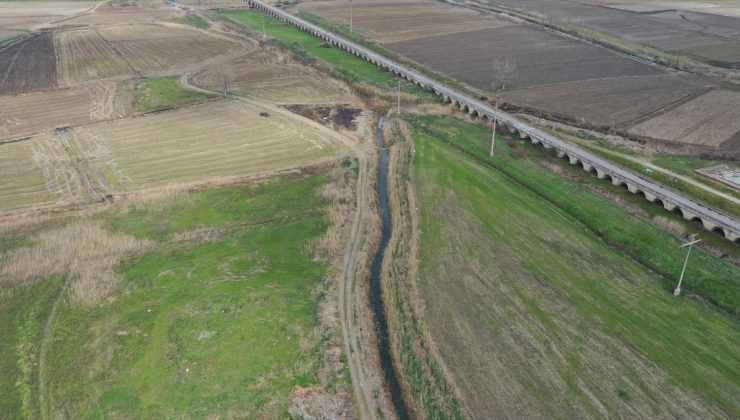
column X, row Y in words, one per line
column 394, row 209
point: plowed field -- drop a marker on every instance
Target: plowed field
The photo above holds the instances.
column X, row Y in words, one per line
column 392, row 21
column 28, row 65
column 710, row 120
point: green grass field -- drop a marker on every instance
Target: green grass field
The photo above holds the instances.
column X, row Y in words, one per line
column 193, row 20
column 539, row 308
column 707, row 276
column 217, row 316
column 158, row 94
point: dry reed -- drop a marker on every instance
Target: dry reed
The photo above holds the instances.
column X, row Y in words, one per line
column 83, row 252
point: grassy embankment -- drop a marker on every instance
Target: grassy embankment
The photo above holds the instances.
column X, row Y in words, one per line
column 692, row 191
column 217, row 313
column 657, row 249
column 158, row 94
column 310, row 49
column 192, row 20
column 540, row 299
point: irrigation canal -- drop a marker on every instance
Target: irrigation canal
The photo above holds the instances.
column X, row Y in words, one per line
column 376, row 293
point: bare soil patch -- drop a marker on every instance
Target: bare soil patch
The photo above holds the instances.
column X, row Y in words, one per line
column 268, row 74
column 393, row 21
column 28, row 65
column 709, row 120
column 335, row 117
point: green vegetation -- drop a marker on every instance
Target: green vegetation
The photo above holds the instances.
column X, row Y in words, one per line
column 192, row 20
column 218, row 314
column 686, row 165
column 535, row 314
column 21, row 35
column 708, row 276
column 158, row 94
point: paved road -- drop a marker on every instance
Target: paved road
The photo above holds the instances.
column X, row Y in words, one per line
column 710, row 217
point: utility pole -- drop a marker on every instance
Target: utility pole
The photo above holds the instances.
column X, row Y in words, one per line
column 495, row 118
column 690, row 243
column 398, row 98
column 350, row 16
column 264, row 33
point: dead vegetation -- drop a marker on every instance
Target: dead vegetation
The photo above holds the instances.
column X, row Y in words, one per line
column 83, row 253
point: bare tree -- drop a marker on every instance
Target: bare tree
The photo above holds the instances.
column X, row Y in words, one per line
column 503, row 70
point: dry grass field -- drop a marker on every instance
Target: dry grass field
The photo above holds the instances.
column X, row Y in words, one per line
column 117, row 18
column 30, row 113
column 28, row 65
column 541, row 57
column 711, row 119
column 34, row 14
column 37, row 172
column 193, row 144
column 268, row 75
column 133, row 50
column 613, row 101
column 394, row 21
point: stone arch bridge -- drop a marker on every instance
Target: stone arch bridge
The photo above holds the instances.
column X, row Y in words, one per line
column 671, row 200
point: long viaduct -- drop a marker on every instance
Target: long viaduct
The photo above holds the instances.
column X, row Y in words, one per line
column 711, row 219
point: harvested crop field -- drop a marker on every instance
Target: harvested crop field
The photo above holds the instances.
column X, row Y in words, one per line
column 269, row 76
column 134, row 50
column 541, row 58
column 36, row 172
column 393, row 21
column 117, row 18
column 30, row 113
column 28, row 65
column 711, row 119
column 35, row 14
column 613, row 101
column 207, row 141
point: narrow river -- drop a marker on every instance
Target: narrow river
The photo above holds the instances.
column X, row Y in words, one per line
column 376, row 293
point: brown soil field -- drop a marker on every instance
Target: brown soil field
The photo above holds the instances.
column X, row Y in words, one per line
column 113, row 18
column 541, row 57
column 393, row 21
column 613, row 101
column 270, row 76
column 672, row 26
column 133, row 50
column 711, row 119
column 28, row 65
column 36, row 112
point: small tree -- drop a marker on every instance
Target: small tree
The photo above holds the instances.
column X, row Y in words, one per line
column 226, row 80
column 503, row 70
